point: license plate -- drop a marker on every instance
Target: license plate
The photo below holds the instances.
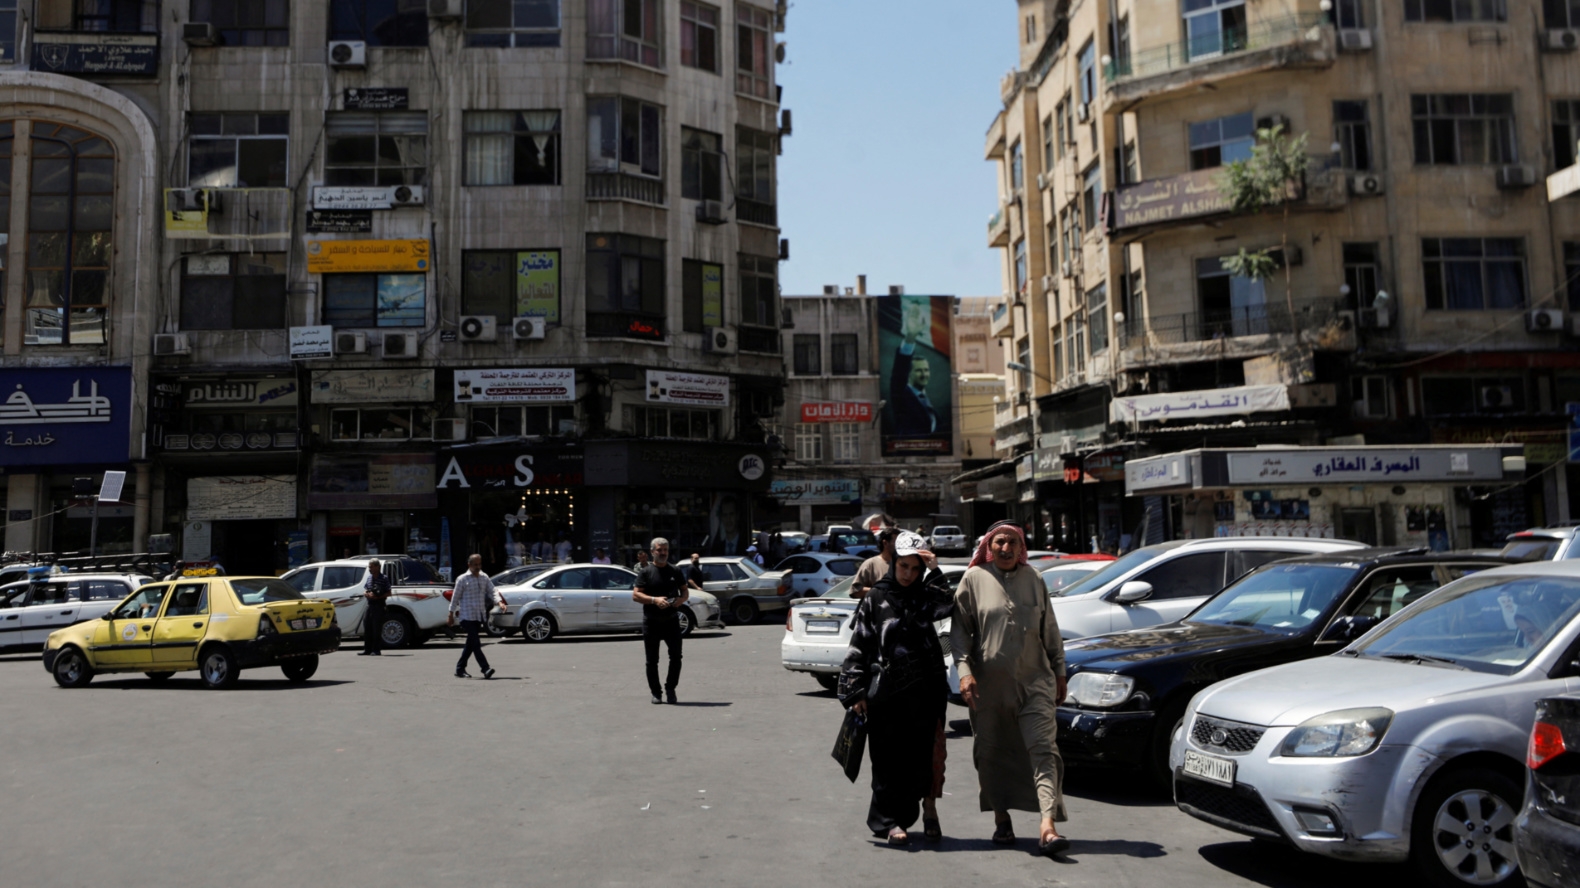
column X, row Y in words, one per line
column 309, row 623
column 822, row 627
column 1209, row 767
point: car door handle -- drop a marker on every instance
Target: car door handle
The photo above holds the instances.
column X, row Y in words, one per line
column 197, row 625
column 65, row 613
column 146, row 628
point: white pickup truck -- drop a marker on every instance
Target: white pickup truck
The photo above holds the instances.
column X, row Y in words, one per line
column 417, row 607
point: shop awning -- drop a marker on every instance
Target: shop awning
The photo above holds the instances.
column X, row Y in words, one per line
column 1232, row 467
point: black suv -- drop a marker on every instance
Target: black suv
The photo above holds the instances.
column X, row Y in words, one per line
column 1128, row 690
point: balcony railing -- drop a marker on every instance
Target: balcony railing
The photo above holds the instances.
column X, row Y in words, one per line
column 756, row 212
column 1263, row 34
column 1249, row 320
column 759, row 339
column 998, row 229
column 624, row 186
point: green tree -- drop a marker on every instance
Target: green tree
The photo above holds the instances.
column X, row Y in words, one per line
column 1271, row 177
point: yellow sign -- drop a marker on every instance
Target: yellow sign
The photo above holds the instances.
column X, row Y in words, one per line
column 185, row 223
column 337, row 256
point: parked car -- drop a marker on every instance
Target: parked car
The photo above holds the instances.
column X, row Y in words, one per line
column 218, row 626
column 515, row 576
column 578, row 599
column 743, row 587
column 1060, row 574
column 418, row 605
column 1162, row 583
column 947, row 538
column 857, row 543
column 1543, row 544
column 814, row 573
column 1128, row 690
column 1408, row 744
column 1547, row 835
column 31, row 609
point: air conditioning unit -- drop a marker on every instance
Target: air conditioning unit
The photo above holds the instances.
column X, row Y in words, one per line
column 1083, row 112
column 529, row 327
column 1048, row 283
column 1495, row 397
column 192, row 200
column 1065, row 268
column 1544, row 320
column 407, row 196
column 479, row 328
column 400, row 345
column 351, row 343
column 1042, row 181
column 1516, row 175
column 171, row 344
column 721, row 341
column 1365, row 184
column 711, row 212
column 449, row 430
column 199, row 34
column 1560, row 40
column 446, row 9
column 1374, row 318
column 1355, row 40
column 348, row 54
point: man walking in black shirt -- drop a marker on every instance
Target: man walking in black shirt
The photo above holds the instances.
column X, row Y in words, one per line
column 661, row 590
column 695, row 576
column 376, row 590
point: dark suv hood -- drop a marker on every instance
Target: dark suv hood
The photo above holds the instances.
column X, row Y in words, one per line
column 1124, row 651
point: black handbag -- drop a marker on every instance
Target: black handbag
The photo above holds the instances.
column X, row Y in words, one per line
column 851, row 743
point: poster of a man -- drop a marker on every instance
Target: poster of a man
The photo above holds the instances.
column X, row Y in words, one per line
column 917, row 378
column 724, row 529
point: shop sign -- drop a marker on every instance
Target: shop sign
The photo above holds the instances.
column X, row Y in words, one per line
column 340, row 256
column 670, row 387
column 1236, row 401
column 339, row 221
column 313, row 342
column 1186, row 196
column 366, row 197
column 1332, row 465
column 1100, row 467
column 377, row 98
column 65, row 415
column 510, row 470
column 1025, row 468
column 371, row 386
column 836, row 411
column 819, row 492
column 1541, row 445
column 240, row 498
column 95, row 53
column 260, row 393
column 385, row 482
column 514, row 386
column 1158, row 472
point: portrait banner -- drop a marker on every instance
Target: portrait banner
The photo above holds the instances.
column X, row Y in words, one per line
column 916, row 374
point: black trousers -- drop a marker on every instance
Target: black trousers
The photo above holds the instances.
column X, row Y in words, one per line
column 668, row 632
column 474, row 645
column 373, row 628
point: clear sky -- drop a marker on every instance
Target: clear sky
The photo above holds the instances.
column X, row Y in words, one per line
column 884, row 174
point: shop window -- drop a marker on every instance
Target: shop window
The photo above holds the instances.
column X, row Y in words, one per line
column 246, row 22
column 624, row 135
column 702, row 295
column 237, row 291
column 808, row 354
column 381, row 424
column 669, row 422
column 1473, row 273
column 69, row 241
column 1220, row 142
column 846, row 438
column 376, row 148
column 375, row 300
column 842, row 355
column 380, row 22
column 113, row 16
column 535, row 420
column 808, row 442
column 754, row 176
column 754, row 40
column 1468, row 395
column 626, row 29
column 237, row 150
column 512, row 147
column 625, row 286
column 699, row 36
column 701, row 165
column 511, row 283
column 512, row 22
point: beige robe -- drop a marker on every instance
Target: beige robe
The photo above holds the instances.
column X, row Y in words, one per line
column 1005, row 635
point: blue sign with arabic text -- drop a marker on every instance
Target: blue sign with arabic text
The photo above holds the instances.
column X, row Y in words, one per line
column 65, row 416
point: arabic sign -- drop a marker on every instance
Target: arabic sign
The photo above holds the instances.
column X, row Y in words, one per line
column 65, row 416
column 313, row 342
column 337, row 197
column 915, row 374
column 241, row 393
column 712, row 295
column 335, row 256
column 388, row 481
column 240, row 498
column 538, row 285
column 95, row 53
column 1107, row 466
column 1185, row 196
column 371, row 386
column 836, row 411
column 821, row 492
column 506, row 386
column 339, row 221
column 1237, row 401
column 1331, row 465
column 1541, row 445
column 1157, row 472
column 668, row 387
column 377, row 98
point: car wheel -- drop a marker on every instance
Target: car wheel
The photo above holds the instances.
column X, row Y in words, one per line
column 743, row 610
column 1463, row 830
column 72, row 669
column 158, row 676
column 300, row 669
column 397, row 630
column 538, row 627
column 1162, row 737
column 218, row 668
column 829, row 682
column 688, row 621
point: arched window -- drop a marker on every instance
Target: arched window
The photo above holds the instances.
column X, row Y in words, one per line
column 71, row 197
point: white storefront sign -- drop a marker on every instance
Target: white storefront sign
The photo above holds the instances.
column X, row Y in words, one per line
column 1334, row 465
column 669, row 387
column 240, row 498
column 312, row 342
column 337, row 197
column 501, row 386
column 1237, row 401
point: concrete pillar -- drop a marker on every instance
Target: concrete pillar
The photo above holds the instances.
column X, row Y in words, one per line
column 319, row 542
column 140, row 504
column 21, row 534
column 1555, row 490
column 806, row 519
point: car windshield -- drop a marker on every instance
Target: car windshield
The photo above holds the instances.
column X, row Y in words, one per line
column 420, row 571
column 1494, row 624
column 841, row 589
column 1278, row 598
column 1114, row 568
column 1531, row 549
column 1057, row 579
column 262, row 591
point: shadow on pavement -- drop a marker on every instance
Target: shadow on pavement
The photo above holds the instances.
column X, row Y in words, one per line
column 1115, row 847
column 684, row 703
column 1279, row 866
column 1127, row 789
column 192, row 684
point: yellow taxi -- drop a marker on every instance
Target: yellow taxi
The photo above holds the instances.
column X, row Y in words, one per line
column 216, row 625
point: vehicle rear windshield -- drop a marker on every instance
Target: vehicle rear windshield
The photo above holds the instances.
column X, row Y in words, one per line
column 262, row 591
column 844, row 567
column 841, row 589
column 1494, row 624
column 1531, row 549
column 849, row 538
column 1281, row 598
column 946, row 530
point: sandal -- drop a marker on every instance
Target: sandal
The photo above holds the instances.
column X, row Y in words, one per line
column 931, row 830
column 1004, row 834
column 898, row 837
column 1051, row 845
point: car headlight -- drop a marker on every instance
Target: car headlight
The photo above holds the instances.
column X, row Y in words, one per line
column 1100, row 690
column 1347, row 732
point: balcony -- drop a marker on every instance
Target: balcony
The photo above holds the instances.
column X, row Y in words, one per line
column 1001, row 326
column 1192, row 197
column 995, row 139
column 1239, row 333
column 625, row 186
column 1296, row 41
column 998, row 228
column 756, row 212
column 764, row 340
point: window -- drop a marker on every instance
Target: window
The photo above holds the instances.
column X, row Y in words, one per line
column 1047, row 143
column 1561, row 13
column 375, row 300
column 1473, row 273
column 1068, row 138
column 1097, row 317
column 1571, row 273
column 246, row 22
column 1091, row 196
column 701, row 165
column 1188, row 576
column 1061, row 134
column 702, row 296
column 1219, row 142
column 1023, row 355
column 68, row 241
column 512, row 22
column 1121, row 63
column 380, row 424
column 753, row 42
column 8, row 32
column 624, row 135
column 1031, row 29
column 808, row 354
column 1349, row 14
column 842, row 359
column 1370, row 394
column 376, row 148
column 1566, row 130
column 1353, row 133
column 1020, row 266
column 116, row 16
column 1017, row 167
column 758, row 291
column 1215, row 27
column 754, row 175
column 1058, row 353
column 237, row 150
column 1126, row 163
column 625, row 29
column 808, row 442
column 1070, row 239
column 1075, row 343
column 241, row 291
column 537, row 420
column 1455, row 11
column 625, row 286
column 512, row 147
column 1362, row 273
column 699, row 36
column 847, row 441
column 663, row 422
column 1086, row 62
column 1231, row 304
column 1465, row 395
column 379, row 22
column 1463, row 128
column 511, row 284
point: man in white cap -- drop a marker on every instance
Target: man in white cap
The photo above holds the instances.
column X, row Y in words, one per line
column 755, row 555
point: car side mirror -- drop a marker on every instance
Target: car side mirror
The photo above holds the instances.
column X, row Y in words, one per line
column 109, row 615
column 1133, row 591
column 1349, row 628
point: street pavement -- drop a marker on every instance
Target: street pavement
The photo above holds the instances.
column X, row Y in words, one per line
column 390, row 772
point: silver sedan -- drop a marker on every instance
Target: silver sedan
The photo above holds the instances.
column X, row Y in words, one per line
column 580, row 599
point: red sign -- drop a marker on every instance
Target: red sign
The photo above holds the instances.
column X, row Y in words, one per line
column 836, row 411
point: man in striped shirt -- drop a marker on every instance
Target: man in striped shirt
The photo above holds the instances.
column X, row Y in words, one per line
column 474, row 595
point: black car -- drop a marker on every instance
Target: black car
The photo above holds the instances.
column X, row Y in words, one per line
column 1547, row 833
column 1128, row 690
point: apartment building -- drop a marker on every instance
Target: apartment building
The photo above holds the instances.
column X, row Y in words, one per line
column 1424, row 285
column 356, row 277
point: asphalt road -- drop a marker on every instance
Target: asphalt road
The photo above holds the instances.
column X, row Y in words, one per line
column 390, row 772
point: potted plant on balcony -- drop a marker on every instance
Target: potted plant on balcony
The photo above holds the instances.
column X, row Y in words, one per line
column 1271, row 177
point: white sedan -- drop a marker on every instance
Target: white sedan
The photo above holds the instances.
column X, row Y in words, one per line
column 579, row 599
column 418, row 605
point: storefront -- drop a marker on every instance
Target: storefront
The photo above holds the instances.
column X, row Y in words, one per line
column 811, row 504
column 491, row 495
